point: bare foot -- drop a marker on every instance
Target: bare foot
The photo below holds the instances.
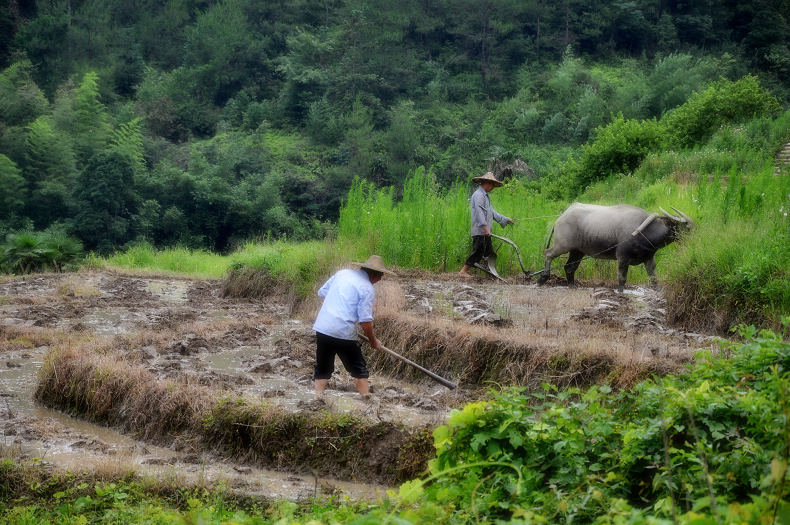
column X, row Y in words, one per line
column 465, row 275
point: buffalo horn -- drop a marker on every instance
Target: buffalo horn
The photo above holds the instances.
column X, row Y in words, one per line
column 644, row 224
column 669, row 215
column 686, row 218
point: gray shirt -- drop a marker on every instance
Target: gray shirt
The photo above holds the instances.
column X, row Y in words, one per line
column 482, row 212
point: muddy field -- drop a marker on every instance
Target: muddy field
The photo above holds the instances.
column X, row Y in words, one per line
column 184, row 330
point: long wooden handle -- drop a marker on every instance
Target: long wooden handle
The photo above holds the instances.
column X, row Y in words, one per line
column 440, row 379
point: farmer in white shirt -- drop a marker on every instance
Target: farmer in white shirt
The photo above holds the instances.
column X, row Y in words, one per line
column 348, row 300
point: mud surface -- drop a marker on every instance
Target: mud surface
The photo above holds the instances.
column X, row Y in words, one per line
column 184, row 330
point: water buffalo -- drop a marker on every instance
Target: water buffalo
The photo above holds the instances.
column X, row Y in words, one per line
column 623, row 232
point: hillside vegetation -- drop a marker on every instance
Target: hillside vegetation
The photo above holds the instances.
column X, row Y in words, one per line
column 206, row 124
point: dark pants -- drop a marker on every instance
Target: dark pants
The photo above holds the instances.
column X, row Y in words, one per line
column 481, row 247
column 349, row 352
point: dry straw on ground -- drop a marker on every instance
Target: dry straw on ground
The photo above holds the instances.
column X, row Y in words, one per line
column 102, row 387
column 532, row 351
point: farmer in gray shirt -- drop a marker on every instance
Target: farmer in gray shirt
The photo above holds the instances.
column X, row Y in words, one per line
column 483, row 216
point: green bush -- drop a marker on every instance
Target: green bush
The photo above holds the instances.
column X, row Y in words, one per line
column 618, row 147
column 708, row 443
column 28, row 252
column 720, row 103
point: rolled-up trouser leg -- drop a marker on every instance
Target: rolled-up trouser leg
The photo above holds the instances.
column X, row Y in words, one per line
column 481, row 247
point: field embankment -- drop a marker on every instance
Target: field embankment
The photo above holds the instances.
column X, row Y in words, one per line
column 108, row 390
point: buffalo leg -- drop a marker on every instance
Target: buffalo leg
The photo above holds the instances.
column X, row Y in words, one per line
column 622, row 273
column 650, row 266
column 544, row 276
column 572, row 264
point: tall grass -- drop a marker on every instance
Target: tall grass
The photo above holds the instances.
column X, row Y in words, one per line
column 299, row 265
column 419, row 231
column 429, row 227
column 179, row 261
column 736, row 266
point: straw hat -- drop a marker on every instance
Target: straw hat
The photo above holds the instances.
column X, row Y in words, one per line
column 488, row 177
column 374, row 263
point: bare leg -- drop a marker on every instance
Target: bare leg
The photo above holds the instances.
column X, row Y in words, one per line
column 363, row 386
column 320, row 386
column 465, row 271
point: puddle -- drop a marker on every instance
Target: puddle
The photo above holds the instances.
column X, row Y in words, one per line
column 171, row 291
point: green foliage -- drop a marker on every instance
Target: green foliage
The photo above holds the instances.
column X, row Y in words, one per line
column 21, row 101
column 618, row 147
column 90, row 128
column 424, row 230
column 28, row 252
column 128, row 138
column 297, row 267
column 721, row 102
column 621, row 145
column 181, row 261
column 718, row 430
column 106, row 201
column 49, row 170
column 743, row 274
column 42, row 40
column 12, row 189
column 674, row 79
column 222, row 52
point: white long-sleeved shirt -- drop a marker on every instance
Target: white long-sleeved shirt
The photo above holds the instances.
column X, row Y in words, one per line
column 348, row 299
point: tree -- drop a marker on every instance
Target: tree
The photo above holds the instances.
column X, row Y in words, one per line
column 42, row 40
column 128, row 139
column 106, row 201
column 49, row 173
column 90, row 128
column 128, row 65
column 12, row 189
column 305, row 68
column 8, row 25
column 21, row 100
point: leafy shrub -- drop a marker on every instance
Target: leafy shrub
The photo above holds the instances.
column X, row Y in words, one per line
column 28, row 252
column 618, row 147
column 721, row 102
column 711, row 442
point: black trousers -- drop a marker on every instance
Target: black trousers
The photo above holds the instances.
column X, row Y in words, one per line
column 481, row 247
column 348, row 351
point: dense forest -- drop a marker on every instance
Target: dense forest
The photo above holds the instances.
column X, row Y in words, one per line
column 204, row 123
